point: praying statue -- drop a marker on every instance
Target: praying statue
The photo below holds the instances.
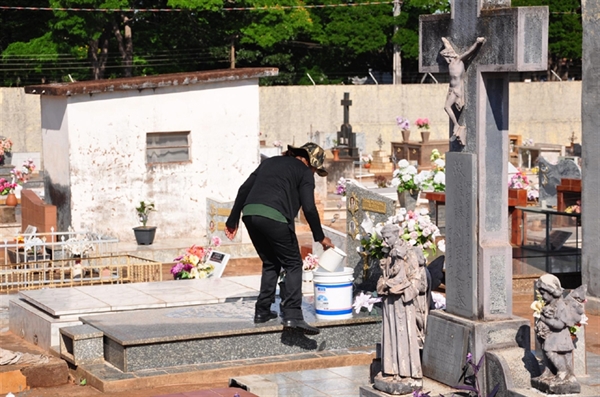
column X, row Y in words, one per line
column 399, row 288
column 456, row 91
column 555, row 319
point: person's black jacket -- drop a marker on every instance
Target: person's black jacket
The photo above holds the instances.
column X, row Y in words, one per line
column 285, row 184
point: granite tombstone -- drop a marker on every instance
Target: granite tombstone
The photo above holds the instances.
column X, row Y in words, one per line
column 363, row 204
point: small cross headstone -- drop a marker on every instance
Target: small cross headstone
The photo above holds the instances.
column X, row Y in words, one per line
column 346, row 138
column 478, row 253
column 380, row 141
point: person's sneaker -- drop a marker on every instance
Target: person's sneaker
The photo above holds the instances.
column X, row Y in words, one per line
column 263, row 318
column 301, row 326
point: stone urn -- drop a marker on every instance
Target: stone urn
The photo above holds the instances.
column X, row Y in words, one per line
column 408, row 199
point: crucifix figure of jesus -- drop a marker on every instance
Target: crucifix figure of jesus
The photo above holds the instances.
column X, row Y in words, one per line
column 456, row 96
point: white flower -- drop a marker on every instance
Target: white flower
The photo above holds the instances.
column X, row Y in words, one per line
column 367, row 225
column 395, row 182
column 439, row 163
column 412, row 170
column 442, row 245
column 403, row 163
column 439, row 300
column 584, row 319
column 440, row 178
column 364, row 300
column 412, row 242
column 406, row 178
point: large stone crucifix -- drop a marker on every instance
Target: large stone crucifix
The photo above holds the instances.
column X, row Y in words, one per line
column 493, row 39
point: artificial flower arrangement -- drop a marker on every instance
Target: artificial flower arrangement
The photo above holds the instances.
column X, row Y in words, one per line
column 416, row 228
column 340, row 187
column 366, row 159
column 5, row 146
column 403, row 123
column 435, row 179
column 405, row 177
column 23, row 174
column 310, row 263
column 422, row 123
column 528, row 142
column 574, row 209
column 194, row 263
column 6, row 187
column 520, row 181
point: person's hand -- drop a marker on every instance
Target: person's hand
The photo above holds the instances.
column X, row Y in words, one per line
column 326, row 243
column 230, row 232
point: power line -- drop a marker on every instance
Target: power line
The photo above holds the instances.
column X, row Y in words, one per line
column 275, row 7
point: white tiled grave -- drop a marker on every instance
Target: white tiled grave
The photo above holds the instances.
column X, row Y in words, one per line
column 38, row 315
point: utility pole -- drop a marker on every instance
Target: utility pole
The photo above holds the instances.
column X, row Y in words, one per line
column 397, row 58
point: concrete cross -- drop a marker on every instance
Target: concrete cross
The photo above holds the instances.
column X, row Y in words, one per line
column 493, row 39
column 478, row 255
column 346, row 103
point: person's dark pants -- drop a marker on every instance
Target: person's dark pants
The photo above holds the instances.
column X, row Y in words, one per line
column 277, row 247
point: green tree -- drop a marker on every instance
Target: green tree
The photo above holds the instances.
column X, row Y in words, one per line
column 565, row 35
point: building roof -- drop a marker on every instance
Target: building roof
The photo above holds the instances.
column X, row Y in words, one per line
column 145, row 82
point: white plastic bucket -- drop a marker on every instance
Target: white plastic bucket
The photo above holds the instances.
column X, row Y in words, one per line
column 332, row 259
column 333, row 294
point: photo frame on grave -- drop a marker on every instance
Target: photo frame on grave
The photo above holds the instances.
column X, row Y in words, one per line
column 219, row 260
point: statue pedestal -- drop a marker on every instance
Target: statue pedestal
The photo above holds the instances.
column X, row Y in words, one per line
column 388, row 384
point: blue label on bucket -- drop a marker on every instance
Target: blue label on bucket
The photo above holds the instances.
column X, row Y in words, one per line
column 323, row 287
column 333, row 312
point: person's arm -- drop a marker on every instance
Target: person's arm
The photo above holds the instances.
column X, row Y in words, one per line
column 231, row 225
column 307, row 201
column 471, row 50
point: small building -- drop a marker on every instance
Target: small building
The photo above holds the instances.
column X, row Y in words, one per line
column 172, row 139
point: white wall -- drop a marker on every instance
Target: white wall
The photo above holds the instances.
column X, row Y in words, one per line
column 545, row 111
column 108, row 174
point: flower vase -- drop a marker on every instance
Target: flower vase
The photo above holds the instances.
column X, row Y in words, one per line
column 408, row 199
column 307, row 276
column 425, row 136
column 405, row 135
column 336, row 154
column 11, row 200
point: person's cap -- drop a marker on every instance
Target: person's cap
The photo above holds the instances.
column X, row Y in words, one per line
column 314, row 154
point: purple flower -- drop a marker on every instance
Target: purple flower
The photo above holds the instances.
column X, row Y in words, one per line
column 176, row 269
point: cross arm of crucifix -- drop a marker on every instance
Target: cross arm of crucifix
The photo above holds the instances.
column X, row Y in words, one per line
column 471, row 50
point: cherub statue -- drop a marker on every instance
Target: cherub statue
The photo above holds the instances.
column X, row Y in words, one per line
column 398, row 288
column 456, row 97
column 552, row 330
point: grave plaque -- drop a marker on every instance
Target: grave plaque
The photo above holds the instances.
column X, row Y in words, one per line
column 217, row 213
column 360, row 204
column 448, row 341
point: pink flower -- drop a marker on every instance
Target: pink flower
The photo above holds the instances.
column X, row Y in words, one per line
column 216, row 241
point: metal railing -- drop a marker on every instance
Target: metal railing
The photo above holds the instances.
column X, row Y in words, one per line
column 65, row 259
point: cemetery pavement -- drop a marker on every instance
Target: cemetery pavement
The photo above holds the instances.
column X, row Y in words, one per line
column 325, row 382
